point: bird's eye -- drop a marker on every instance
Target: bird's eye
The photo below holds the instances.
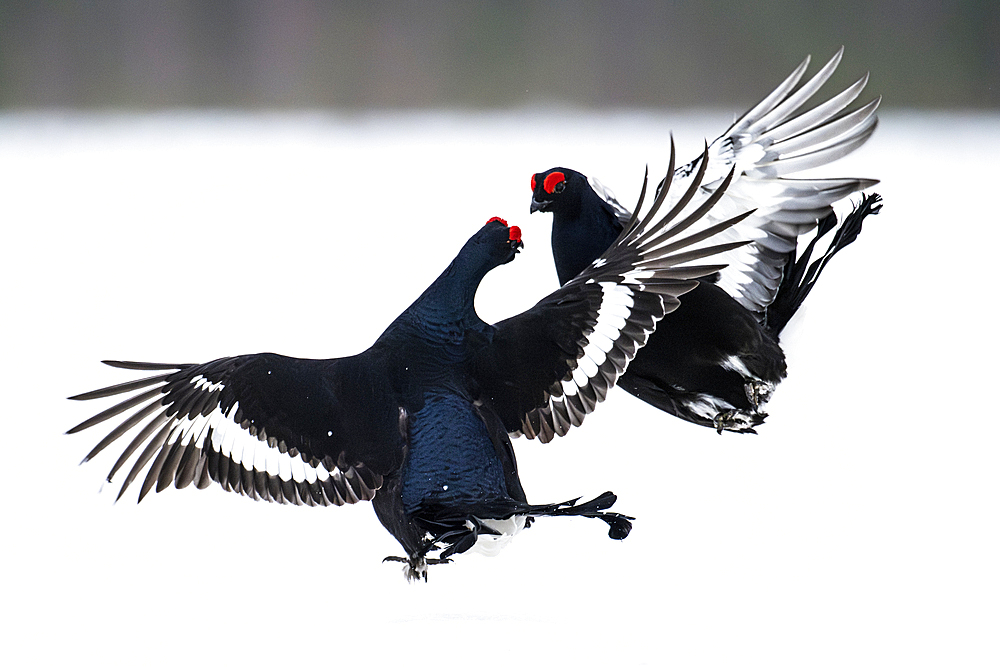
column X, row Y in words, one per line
column 554, row 182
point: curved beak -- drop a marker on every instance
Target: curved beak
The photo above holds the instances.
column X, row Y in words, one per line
column 538, row 205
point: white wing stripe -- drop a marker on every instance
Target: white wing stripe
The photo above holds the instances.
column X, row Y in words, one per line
column 204, row 384
column 636, row 277
column 616, row 294
column 586, row 365
column 619, row 311
column 251, row 452
column 606, row 331
column 616, row 306
column 610, row 325
column 595, row 355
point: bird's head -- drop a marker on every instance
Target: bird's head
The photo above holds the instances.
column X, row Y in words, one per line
column 556, row 190
column 501, row 241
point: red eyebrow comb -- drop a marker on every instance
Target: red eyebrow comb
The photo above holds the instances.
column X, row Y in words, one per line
column 552, row 180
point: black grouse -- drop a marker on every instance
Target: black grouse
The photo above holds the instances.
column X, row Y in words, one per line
column 716, row 361
column 419, row 422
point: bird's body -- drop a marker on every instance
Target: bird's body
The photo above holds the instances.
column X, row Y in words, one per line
column 716, row 361
column 716, row 366
column 419, row 422
column 459, row 466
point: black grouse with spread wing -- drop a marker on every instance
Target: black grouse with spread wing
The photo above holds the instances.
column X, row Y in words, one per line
column 418, row 423
column 716, row 361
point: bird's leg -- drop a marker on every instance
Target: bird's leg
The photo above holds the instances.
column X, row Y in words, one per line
column 416, row 566
column 737, row 420
column 416, row 563
column 758, row 393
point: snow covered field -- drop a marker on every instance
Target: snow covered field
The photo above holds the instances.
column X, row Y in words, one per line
column 861, row 527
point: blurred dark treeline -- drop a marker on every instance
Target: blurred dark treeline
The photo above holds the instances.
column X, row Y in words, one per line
column 262, row 54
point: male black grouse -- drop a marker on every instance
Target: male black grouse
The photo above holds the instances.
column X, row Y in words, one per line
column 419, row 422
column 717, row 360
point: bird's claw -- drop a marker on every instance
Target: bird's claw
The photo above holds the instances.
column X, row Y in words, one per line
column 737, row 420
column 758, row 393
column 416, row 568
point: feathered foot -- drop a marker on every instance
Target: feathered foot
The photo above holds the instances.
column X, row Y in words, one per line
column 739, row 421
column 758, row 393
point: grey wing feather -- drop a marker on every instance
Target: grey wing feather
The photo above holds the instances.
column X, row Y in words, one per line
column 773, row 140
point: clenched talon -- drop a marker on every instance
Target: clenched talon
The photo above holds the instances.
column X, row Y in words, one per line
column 738, row 421
column 758, row 393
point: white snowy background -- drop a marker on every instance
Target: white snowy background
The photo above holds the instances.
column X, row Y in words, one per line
column 860, row 527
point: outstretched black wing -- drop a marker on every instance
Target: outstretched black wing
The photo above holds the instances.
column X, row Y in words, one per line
column 270, row 427
column 551, row 365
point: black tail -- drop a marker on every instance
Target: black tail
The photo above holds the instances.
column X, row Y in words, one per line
column 799, row 276
column 620, row 525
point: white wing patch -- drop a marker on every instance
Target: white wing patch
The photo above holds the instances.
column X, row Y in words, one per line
column 616, row 308
column 186, row 437
column 598, row 365
column 204, row 384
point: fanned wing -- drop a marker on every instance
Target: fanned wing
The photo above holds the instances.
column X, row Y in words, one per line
column 266, row 426
column 773, row 139
column 550, row 366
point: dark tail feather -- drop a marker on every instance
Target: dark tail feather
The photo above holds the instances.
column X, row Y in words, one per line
column 620, row 525
column 799, row 277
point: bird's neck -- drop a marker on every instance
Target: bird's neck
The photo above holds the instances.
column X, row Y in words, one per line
column 445, row 313
column 580, row 237
column 451, row 298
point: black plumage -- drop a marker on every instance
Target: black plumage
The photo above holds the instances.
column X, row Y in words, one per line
column 419, row 422
column 716, row 361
